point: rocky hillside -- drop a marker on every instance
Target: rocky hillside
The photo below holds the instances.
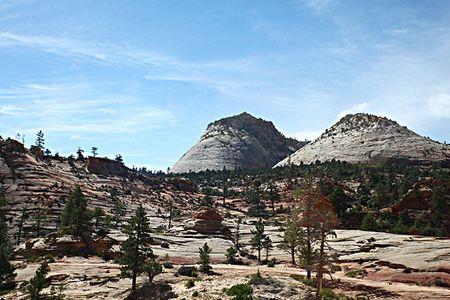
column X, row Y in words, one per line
column 359, row 138
column 242, row 142
column 34, row 184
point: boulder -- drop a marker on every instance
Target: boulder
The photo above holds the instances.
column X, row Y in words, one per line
column 206, row 220
column 207, row 213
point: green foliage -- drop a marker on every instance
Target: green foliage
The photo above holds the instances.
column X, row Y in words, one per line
column 258, row 279
column 258, row 237
column 38, row 282
column 257, row 207
column 356, row 273
column 6, row 269
column 231, row 255
column 152, row 268
column 240, row 292
column 439, row 206
column 204, row 258
column 190, row 283
column 40, row 141
column 369, row 223
column 118, row 208
column 267, row 245
column 291, row 236
column 303, row 279
column 137, row 253
column 75, row 218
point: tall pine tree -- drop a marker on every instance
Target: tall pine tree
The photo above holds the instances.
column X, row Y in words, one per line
column 76, row 218
column 138, row 256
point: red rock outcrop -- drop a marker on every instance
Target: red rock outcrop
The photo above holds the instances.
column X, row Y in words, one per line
column 105, row 166
column 418, row 198
column 207, row 213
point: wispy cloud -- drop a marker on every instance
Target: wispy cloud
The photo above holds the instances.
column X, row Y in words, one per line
column 85, row 51
column 77, row 108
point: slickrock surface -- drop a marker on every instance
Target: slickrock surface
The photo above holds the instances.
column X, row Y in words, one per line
column 238, row 142
column 42, row 185
column 368, row 138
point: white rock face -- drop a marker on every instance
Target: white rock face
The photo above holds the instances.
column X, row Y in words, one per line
column 360, row 138
column 242, row 142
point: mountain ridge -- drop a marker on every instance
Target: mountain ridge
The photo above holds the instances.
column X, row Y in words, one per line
column 360, row 138
column 237, row 142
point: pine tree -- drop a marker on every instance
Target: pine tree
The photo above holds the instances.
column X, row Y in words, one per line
column 258, row 237
column 40, row 141
column 306, row 197
column 324, row 221
column 204, row 258
column 273, row 195
column 237, row 234
column 23, row 217
column 267, row 245
column 80, row 153
column 76, row 218
column 38, row 282
column 292, row 235
column 118, row 208
column 439, row 206
column 231, row 255
column 98, row 215
column 257, row 207
column 136, row 249
column 94, row 151
column 6, row 269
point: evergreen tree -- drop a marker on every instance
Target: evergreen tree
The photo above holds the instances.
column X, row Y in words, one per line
column 94, row 151
column 80, row 154
column 98, row 215
column 231, row 255
column 119, row 158
column 76, row 218
column 292, row 235
column 237, row 234
column 6, row 269
column 137, row 253
column 257, row 207
column 40, row 141
column 258, row 237
column 439, row 206
column 38, row 282
column 204, row 258
column 324, row 221
column 273, row 195
column 152, row 268
column 307, row 196
column 369, row 223
column 267, row 245
column 118, row 207
column 23, row 217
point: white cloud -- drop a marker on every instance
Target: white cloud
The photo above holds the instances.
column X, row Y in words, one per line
column 309, row 135
column 439, row 105
column 357, row 108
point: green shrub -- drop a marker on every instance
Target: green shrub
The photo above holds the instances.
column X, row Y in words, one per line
column 240, row 292
column 303, row 279
column 195, row 294
column 258, row 279
column 190, row 283
column 356, row 273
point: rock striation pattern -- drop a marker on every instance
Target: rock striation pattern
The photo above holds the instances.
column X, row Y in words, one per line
column 361, row 138
column 39, row 186
column 237, row 142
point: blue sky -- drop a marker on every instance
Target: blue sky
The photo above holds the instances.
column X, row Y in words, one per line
column 144, row 78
